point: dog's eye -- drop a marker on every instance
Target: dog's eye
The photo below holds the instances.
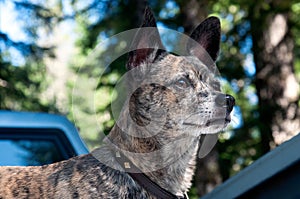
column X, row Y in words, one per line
column 182, row 83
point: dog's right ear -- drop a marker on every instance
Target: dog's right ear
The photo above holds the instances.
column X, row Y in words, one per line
column 147, row 45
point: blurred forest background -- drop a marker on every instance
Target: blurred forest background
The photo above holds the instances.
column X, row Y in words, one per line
column 44, row 45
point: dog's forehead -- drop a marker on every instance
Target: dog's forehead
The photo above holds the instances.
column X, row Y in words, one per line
column 182, row 64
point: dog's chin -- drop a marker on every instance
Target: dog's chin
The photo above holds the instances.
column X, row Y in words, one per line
column 222, row 122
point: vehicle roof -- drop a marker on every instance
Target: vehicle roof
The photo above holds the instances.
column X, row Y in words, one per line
column 276, row 161
column 13, row 119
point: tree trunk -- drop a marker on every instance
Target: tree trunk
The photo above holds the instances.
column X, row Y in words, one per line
column 192, row 13
column 276, row 84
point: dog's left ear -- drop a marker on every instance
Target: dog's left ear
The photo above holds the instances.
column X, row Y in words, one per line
column 147, row 44
column 208, row 35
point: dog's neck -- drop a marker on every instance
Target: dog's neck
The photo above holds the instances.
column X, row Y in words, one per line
column 171, row 165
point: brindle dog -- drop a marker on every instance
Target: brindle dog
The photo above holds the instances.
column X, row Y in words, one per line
column 151, row 151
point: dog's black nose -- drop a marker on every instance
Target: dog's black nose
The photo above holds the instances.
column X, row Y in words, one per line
column 230, row 102
column 225, row 101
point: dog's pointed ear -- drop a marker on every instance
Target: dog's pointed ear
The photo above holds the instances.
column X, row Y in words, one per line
column 208, row 35
column 147, row 45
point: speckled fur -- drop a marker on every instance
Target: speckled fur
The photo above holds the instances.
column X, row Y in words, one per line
column 79, row 177
column 182, row 114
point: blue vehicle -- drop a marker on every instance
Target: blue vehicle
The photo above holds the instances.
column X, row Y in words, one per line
column 33, row 139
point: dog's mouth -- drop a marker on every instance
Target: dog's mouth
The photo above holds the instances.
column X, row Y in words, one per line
column 219, row 121
column 212, row 122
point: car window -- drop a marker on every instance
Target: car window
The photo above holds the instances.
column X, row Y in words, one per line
column 33, row 147
column 28, row 152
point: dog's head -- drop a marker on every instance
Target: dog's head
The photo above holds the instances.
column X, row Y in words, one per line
column 178, row 94
column 172, row 102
